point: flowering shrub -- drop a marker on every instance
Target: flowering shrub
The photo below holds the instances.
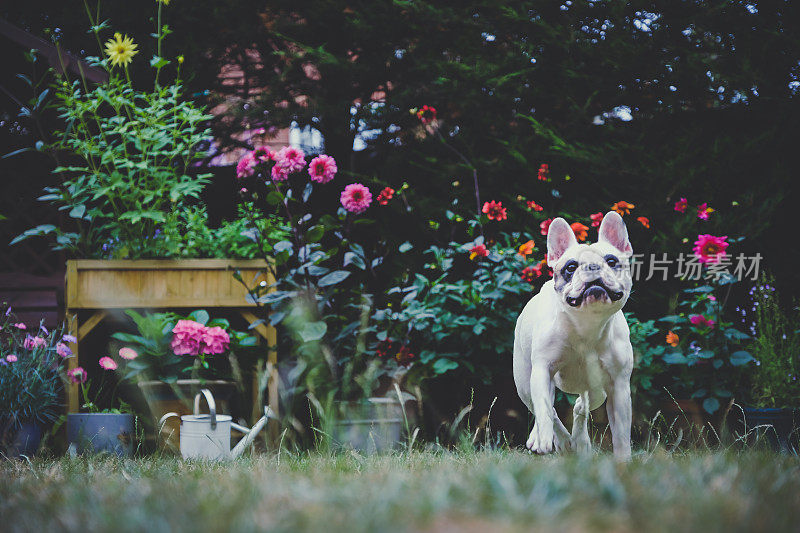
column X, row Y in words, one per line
column 774, row 376
column 30, row 380
column 705, row 348
column 168, row 346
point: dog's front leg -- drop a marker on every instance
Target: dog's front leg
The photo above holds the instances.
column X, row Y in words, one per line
column 542, row 437
column 618, row 407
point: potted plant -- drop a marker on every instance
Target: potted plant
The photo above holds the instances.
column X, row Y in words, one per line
column 775, row 375
column 30, row 383
column 179, row 355
column 97, row 429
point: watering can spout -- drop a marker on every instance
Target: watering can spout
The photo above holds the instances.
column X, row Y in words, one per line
column 250, row 433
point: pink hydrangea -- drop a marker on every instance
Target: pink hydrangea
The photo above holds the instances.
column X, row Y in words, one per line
column 77, row 375
column 279, row 173
column 107, row 363
column 31, row 343
column 291, row 159
column 129, row 354
column 710, row 249
column 356, row 198
column 11, row 358
column 63, row 350
column 246, row 166
column 187, row 337
column 216, row 340
column 322, row 169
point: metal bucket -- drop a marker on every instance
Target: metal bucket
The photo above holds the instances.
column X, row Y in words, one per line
column 374, row 426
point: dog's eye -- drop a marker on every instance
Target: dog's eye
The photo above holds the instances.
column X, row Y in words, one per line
column 612, row 261
column 571, row 267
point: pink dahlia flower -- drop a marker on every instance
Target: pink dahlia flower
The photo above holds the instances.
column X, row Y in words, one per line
column 246, row 166
column 262, row 154
column 710, row 249
column 291, row 159
column 63, row 350
column 31, row 343
column 107, row 363
column 322, row 169
column 77, row 375
column 187, row 336
column 279, row 173
column 11, row 358
column 216, row 340
column 129, row 354
column 681, row 205
column 20, row 325
column 356, row 198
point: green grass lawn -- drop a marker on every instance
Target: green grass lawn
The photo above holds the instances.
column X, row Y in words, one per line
column 420, row 491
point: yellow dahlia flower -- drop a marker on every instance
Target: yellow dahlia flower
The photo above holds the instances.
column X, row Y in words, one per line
column 120, row 50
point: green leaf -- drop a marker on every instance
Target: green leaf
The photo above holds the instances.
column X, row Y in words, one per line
column 78, row 211
column 675, row 358
column 158, row 62
column 711, row 405
column 740, row 358
column 315, row 233
column 337, row 276
column 405, row 247
column 351, row 258
column 313, row 331
column 443, row 365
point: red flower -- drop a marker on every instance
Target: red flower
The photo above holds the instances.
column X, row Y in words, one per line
column 545, row 226
column 533, row 205
column 478, row 251
column 404, row 355
column 645, row 222
column 495, row 210
column 597, row 218
column 580, row 231
column 427, row 114
column 544, row 172
column 530, row 273
column 681, row 205
column 385, row 195
column 384, row 347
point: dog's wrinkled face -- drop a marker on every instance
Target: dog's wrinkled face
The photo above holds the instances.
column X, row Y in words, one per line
column 592, row 277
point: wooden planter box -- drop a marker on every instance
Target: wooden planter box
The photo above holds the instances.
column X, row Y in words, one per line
column 93, row 287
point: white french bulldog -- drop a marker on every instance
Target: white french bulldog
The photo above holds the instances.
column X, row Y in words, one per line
column 573, row 335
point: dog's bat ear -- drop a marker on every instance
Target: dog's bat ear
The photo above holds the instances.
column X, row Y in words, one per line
column 560, row 238
column 613, row 231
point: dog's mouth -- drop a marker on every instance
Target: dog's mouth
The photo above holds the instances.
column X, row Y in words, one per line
column 595, row 289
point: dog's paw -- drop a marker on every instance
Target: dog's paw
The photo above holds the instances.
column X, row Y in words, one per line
column 562, row 444
column 581, row 444
column 541, row 439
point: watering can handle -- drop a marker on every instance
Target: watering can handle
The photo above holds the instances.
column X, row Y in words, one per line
column 212, row 407
column 163, row 420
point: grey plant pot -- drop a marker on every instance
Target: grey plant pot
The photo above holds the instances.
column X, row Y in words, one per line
column 373, row 426
column 101, row 433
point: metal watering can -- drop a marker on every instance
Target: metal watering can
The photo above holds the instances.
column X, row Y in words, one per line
column 208, row 436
